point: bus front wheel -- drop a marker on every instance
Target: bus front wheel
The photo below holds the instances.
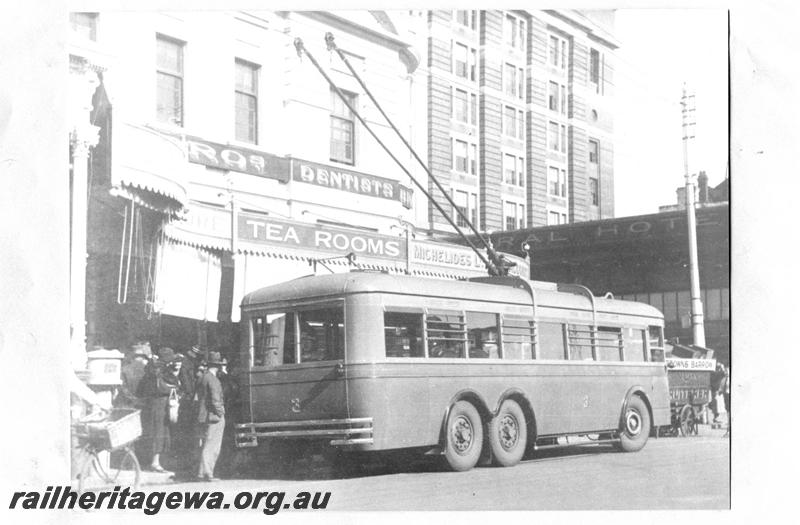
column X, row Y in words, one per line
column 635, row 425
column 508, row 434
column 464, row 436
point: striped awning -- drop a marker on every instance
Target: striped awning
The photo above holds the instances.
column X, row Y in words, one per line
column 149, row 167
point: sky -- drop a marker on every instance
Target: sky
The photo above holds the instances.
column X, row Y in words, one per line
column 659, row 51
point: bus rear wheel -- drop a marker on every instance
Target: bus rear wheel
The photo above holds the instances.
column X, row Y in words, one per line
column 635, row 425
column 508, row 434
column 464, row 439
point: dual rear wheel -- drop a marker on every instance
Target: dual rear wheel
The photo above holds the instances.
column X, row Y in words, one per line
column 507, row 435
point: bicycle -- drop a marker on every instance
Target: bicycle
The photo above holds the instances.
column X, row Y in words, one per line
column 113, row 434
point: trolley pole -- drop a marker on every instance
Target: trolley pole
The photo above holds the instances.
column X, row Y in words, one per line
column 688, row 123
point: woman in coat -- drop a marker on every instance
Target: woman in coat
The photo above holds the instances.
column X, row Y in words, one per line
column 161, row 378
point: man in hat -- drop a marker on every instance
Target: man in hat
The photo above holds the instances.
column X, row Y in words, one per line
column 132, row 373
column 210, row 417
column 185, row 443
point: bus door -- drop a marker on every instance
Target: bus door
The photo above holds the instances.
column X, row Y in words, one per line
column 298, row 365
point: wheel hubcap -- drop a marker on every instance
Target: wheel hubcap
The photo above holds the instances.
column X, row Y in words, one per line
column 508, row 432
column 462, row 434
column 633, row 422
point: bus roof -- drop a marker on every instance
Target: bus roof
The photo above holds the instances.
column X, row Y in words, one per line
column 340, row 284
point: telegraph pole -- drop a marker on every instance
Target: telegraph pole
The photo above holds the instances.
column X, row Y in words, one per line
column 688, row 123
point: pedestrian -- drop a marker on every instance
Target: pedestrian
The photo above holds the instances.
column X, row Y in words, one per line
column 132, row 373
column 161, row 379
column 717, row 378
column 185, row 436
column 726, row 394
column 230, row 392
column 210, row 417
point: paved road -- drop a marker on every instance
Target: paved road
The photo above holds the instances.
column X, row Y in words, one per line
column 669, row 473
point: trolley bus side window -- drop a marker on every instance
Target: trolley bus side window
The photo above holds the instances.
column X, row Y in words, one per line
column 656, row 343
column 518, row 336
column 273, row 339
column 609, row 343
column 580, row 342
column 446, row 334
column 403, row 334
column 321, row 334
column 482, row 330
column 551, row 341
column 634, row 344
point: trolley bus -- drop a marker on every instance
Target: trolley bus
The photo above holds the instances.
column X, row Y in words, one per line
column 486, row 369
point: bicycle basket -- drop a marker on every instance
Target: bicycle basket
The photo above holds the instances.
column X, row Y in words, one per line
column 122, row 426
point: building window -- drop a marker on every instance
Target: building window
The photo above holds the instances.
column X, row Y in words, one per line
column 466, row 18
column 594, row 152
column 84, row 24
column 514, row 214
column 554, row 218
column 552, row 135
column 169, row 80
column 594, row 190
column 465, row 106
column 514, row 170
column 514, row 122
column 465, row 59
column 514, row 32
column 557, row 181
column 465, row 157
column 342, row 128
column 514, row 81
column 596, row 70
column 246, row 93
column 557, row 98
column 557, row 136
column 510, row 211
column 467, row 204
column 509, row 169
column 557, row 52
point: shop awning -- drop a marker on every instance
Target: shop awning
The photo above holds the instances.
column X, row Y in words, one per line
column 149, row 167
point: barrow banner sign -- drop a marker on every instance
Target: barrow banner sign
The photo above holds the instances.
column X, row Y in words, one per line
column 235, row 158
column 350, row 181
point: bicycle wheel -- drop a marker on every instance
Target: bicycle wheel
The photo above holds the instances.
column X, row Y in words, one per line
column 86, row 470
column 123, row 469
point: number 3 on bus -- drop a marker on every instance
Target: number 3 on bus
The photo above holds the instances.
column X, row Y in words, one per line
column 491, row 368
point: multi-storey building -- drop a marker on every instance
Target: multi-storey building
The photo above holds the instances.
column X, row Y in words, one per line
column 225, row 162
column 520, row 114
